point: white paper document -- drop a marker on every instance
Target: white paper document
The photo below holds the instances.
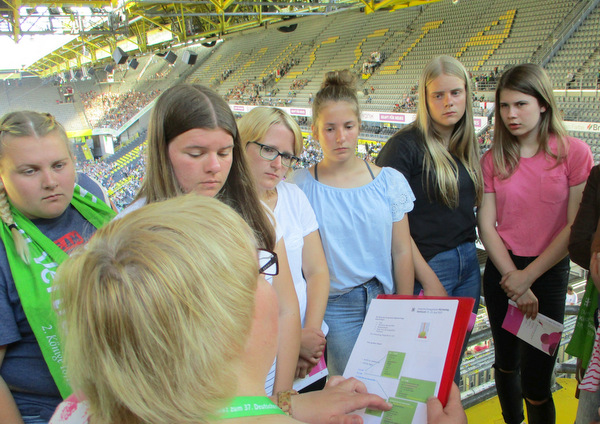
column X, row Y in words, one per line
column 400, row 355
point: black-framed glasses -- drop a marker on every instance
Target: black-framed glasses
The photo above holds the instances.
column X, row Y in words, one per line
column 271, row 153
column 267, row 262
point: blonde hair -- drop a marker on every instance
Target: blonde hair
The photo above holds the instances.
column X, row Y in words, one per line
column 532, row 80
column 182, row 108
column 25, row 123
column 254, row 125
column 438, row 165
column 157, row 309
column 337, row 86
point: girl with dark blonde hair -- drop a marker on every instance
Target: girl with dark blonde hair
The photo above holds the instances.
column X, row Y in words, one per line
column 534, row 177
column 185, row 113
column 194, row 147
column 47, row 210
column 361, row 210
column 439, row 156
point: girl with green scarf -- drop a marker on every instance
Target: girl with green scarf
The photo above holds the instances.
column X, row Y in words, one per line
column 47, row 210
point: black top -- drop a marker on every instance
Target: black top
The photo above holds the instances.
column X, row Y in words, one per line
column 434, row 226
column 586, row 221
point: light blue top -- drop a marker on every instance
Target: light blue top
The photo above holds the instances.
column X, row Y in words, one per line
column 356, row 226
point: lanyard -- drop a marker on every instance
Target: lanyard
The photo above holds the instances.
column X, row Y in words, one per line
column 249, row 406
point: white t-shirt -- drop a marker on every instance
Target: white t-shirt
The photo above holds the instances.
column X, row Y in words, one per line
column 295, row 219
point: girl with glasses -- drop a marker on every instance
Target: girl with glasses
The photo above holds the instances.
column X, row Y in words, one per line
column 194, row 147
column 361, row 210
column 273, row 142
column 534, row 176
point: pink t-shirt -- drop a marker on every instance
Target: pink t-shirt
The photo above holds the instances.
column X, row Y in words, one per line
column 531, row 205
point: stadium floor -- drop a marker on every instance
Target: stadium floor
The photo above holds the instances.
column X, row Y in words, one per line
column 488, row 412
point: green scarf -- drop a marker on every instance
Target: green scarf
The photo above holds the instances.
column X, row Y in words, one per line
column 584, row 334
column 34, row 281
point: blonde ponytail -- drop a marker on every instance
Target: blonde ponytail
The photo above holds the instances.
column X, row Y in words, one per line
column 7, row 218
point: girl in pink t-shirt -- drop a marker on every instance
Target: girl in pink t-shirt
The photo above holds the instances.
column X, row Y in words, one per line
column 534, row 176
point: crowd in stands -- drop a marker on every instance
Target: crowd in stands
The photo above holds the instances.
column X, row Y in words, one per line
column 299, row 83
column 112, row 110
column 485, row 139
column 108, row 175
column 249, row 93
column 281, row 70
column 312, row 153
column 134, row 172
column 407, row 106
column 226, row 74
column 374, row 61
column 486, row 82
column 243, row 89
column 99, row 170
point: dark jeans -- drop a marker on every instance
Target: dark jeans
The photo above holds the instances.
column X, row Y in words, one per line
column 513, row 354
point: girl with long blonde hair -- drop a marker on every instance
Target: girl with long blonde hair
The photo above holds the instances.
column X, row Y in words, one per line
column 439, row 156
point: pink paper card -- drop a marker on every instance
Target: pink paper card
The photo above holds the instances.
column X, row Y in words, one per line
column 542, row 332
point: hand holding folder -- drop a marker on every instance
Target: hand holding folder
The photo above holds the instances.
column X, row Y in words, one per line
column 407, row 351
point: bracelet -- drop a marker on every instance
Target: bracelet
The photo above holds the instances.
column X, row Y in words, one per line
column 284, row 401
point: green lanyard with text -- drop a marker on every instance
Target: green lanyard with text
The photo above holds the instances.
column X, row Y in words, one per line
column 250, row 406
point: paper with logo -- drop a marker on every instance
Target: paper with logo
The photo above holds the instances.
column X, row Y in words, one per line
column 542, row 332
column 407, row 351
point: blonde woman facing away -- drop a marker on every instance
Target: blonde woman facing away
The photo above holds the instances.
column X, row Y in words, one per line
column 153, row 338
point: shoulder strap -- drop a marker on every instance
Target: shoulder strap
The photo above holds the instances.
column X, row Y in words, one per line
column 368, row 167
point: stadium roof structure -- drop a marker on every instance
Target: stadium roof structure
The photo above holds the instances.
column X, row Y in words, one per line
column 143, row 26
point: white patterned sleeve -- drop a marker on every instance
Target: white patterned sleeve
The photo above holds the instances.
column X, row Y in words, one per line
column 400, row 195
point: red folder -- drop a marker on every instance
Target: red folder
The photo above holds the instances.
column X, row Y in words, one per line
column 457, row 339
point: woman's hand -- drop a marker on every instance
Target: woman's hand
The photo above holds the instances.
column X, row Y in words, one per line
column 303, row 368
column 453, row 413
column 340, row 396
column 516, row 283
column 312, row 344
column 528, row 304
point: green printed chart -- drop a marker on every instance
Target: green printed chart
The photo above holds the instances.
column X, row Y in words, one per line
column 409, row 392
column 413, row 389
column 393, row 364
